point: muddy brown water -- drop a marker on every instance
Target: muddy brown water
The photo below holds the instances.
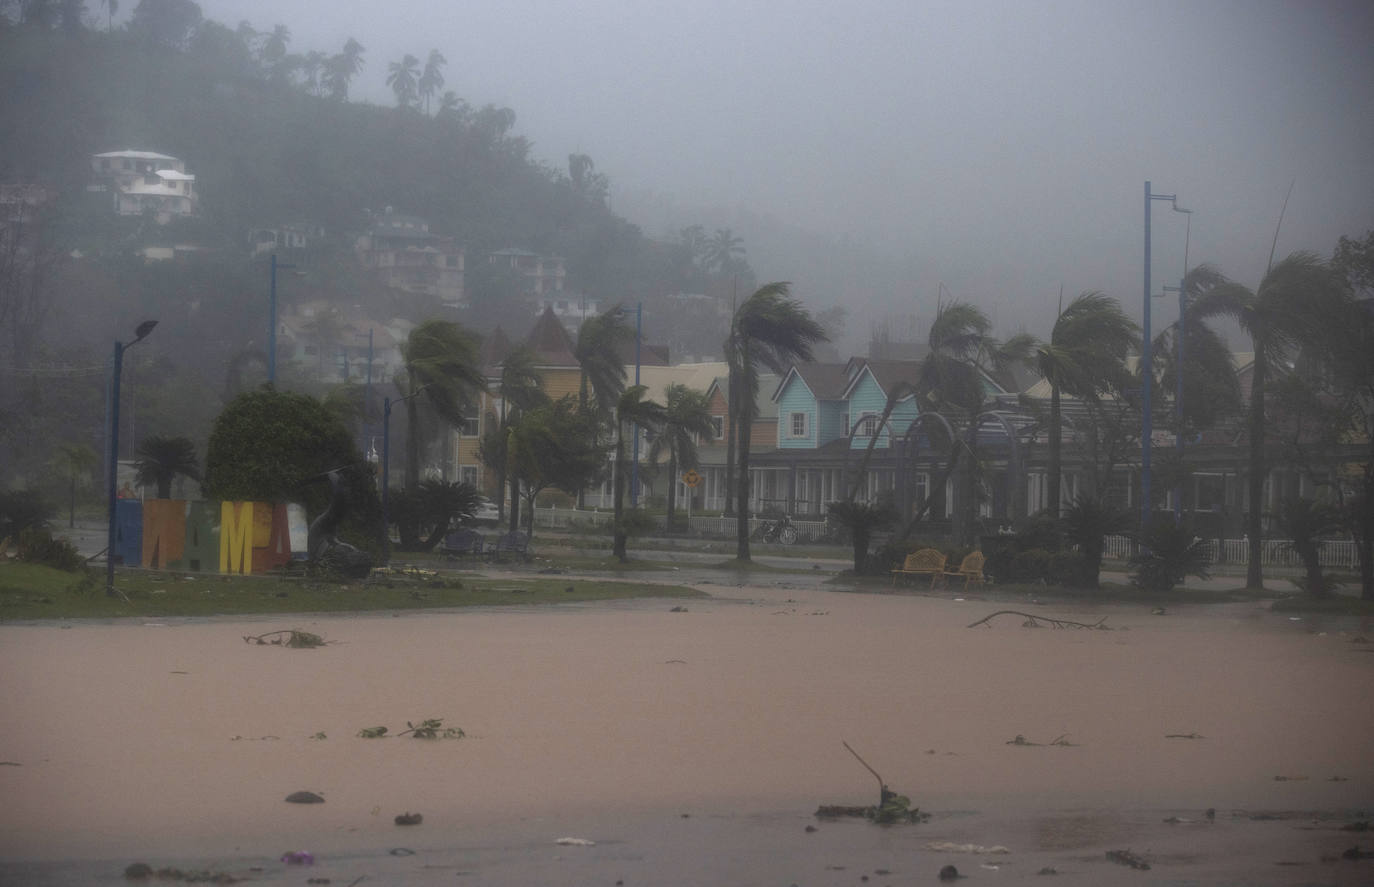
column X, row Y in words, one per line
column 692, row 747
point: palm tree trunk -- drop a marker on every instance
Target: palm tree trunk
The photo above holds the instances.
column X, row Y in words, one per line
column 672, row 487
column 1056, row 455
column 732, row 422
column 412, row 474
column 1254, row 527
column 618, row 547
column 742, row 502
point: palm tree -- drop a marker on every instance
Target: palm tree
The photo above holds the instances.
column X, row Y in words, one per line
column 440, row 360
column 433, row 76
column 451, row 106
column 342, row 68
column 631, row 409
column 111, row 7
column 161, row 458
column 1283, row 314
column 687, row 416
column 769, row 329
column 952, row 380
column 75, row 462
column 599, row 344
column 402, row 78
column 723, row 250
column 521, row 389
column 1085, row 357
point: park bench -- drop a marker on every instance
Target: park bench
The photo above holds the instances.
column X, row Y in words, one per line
column 970, row 568
column 926, row 562
column 462, row 543
column 514, row 542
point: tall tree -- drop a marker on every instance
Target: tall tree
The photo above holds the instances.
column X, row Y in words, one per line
column 600, row 341
column 342, row 68
column 770, row 329
column 723, row 251
column 432, row 78
column 161, row 459
column 1085, row 357
column 440, row 361
column 1283, row 314
column 75, row 462
column 632, row 409
column 687, row 417
column 403, row 77
column 953, row 379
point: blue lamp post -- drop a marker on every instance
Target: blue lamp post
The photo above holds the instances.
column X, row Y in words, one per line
column 1146, row 372
column 140, row 333
column 634, row 468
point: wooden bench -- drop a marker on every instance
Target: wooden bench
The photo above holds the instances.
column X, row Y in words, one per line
column 514, row 542
column 970, row 568
column 462, row 543
column 926, row 562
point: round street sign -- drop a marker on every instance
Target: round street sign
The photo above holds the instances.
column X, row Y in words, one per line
column 691, row 478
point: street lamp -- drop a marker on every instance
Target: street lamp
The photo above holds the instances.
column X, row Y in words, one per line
column 140, row 333
column 1178, row 370
column 1146, row 431
column 634, row 468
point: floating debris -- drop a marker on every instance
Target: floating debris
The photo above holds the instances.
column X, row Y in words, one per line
column 304, row 798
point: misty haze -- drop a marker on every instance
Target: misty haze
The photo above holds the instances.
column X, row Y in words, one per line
column 618, row 443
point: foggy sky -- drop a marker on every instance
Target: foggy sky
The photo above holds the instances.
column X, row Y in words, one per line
column 999, row 148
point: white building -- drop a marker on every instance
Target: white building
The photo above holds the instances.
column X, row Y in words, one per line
column 146, row 181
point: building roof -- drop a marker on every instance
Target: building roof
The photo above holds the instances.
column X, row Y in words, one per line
column 827, row 381
column 887, row 373
column 764, row 404
column 550, row 342
column 494, row 350
column 173, row 175
column 697, row 376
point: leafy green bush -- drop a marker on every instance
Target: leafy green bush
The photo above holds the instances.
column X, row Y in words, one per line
column 1073, row 569
column 20, row 510
column 1168, row 555
column 1030, row 565
column 37, row 546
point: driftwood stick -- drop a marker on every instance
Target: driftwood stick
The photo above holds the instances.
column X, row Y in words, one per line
column 1057, row 623
column 882, row 786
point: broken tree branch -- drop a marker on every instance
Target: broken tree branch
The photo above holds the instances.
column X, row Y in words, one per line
column 1033, row 621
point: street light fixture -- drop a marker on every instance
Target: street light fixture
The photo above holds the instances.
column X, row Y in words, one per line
column 140, row 333
column 1146, row 372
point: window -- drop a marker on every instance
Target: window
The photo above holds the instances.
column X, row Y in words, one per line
column 797, row 424
column 718, row 424
column 869, row 425
column 468, row 474
column 472, row 427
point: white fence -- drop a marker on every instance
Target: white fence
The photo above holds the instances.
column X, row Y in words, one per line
column 1337, row 553
column 700, row 525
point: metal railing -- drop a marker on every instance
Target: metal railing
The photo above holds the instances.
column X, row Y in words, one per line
column 1334, row 553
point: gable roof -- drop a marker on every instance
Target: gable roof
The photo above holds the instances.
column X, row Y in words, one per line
column 550, row 342
column 765, row 406
column 827, row 381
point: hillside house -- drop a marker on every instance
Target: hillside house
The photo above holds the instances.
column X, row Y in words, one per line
column 147, row 182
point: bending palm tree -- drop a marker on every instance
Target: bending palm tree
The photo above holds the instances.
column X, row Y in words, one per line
column 687, row 417
column 440, row 361
column 160, row 459
column 521, row 389
column 773, row 330
column 1282, row 315
column 598, row 349
column 433, row 76
column 1085, row 358
column 632, row 409
column 723, row 250
column 963, row 353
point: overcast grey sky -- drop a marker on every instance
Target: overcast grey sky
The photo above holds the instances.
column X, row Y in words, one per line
column 1000, row 148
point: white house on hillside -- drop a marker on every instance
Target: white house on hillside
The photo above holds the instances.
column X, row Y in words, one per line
column 146, row 181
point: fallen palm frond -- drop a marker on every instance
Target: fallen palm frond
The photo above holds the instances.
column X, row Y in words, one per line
column 287, row 637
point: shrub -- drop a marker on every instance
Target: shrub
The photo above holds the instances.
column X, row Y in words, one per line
column 1073, row 569
column 1041, row 531
column 1031, row 565
column 1168, row 555
column 37, row 546
column 20, row 510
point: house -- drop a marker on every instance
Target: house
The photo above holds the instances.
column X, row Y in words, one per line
column 572, row 308
column 284, row 238
column 405, row 255
column 543, row 275
column 147, row 182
